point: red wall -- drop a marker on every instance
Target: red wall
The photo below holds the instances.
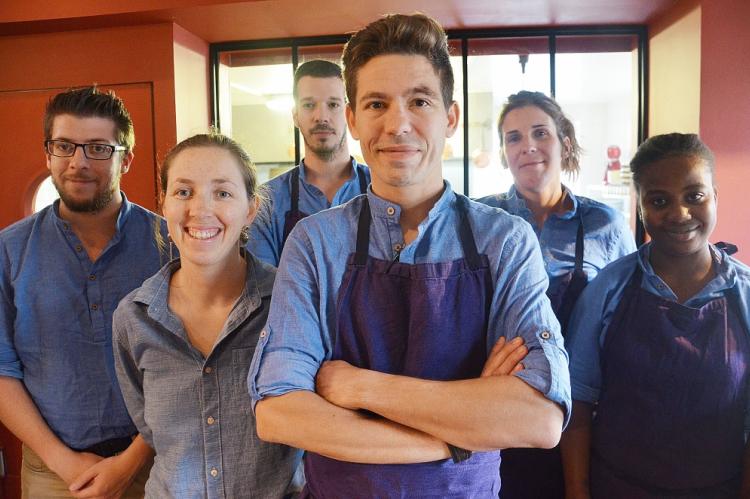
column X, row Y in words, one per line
column 725, row 113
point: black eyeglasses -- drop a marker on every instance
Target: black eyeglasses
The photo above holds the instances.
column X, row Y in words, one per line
column 65, row 149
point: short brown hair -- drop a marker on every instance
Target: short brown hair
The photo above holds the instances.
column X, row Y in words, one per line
column 317, row 68
column 524, row 98
column 415, row 34
column 88, row 102
column 669, row 145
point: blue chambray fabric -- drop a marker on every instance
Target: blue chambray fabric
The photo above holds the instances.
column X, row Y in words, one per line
column 302, row 321
column 607, row 236
column 195, row 411
column 56, row 310
column 267, row 230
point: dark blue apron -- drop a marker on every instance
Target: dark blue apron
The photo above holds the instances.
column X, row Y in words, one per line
column 426, row 320
column 670, row 420
column 294, row 215
column 538, row 473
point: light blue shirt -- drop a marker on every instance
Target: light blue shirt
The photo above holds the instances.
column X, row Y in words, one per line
column 606, row 236
column 302, row 322
column 56, row 310
column 593, row 313
column 194, row 411
column 267, row 231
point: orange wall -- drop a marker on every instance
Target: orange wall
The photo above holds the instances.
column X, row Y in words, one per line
column 700, row 82
column 725, row 113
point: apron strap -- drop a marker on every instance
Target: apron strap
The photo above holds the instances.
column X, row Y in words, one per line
column 579, row 245
column 295, row 189
column 466, row 235
column 362, row 180
column 363, row 234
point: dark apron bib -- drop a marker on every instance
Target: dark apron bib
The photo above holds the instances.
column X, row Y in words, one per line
column 537, row 473
column 670, row 420
column 294, row 215
column 425, row 320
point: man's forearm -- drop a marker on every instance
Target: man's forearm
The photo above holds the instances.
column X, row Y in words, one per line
column 487, row 413
column 20, row 415
column 304, row 420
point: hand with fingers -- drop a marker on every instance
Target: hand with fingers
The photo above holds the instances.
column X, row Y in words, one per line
column 505, row 358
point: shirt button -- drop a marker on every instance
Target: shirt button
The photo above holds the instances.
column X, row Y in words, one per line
column 397, row 247
column 208, row 370
column 210, row 420
column 92, row 277
column 79, row 248
column 214, row 472
column 390, row 210
column 263, row 334
column 545, row 335
column 94, row 307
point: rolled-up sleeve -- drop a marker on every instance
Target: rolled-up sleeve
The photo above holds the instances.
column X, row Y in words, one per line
column 10, row 364
column 521, row 308
column 296, row 339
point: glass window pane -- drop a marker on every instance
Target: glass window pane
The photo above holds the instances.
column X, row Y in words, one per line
column 453, row 151
column 45, row 195
column 255, row 98
column 597, row 86
column 498, row 67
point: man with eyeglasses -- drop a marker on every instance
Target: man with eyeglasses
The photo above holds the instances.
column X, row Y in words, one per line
column 63, row 271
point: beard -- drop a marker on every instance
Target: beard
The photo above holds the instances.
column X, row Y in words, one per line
column 100, row 200
column 323, row 151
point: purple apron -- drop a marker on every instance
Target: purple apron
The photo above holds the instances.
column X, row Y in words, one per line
column 537, row 473
column 294, row 215
column 425, row 320
column 670, row 420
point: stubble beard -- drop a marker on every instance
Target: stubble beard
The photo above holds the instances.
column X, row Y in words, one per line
column 101, row 199
column 326, row 153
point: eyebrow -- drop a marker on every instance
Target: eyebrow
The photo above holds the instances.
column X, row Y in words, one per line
column 88, row 141
column 216, row 181
column 418, row 90
column 541, row 125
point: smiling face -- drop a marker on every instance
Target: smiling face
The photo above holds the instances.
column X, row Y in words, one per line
column 319, row 114
column 206, row 205
column 532, row 149
column 87, row 185
column 678, row 200
column 401, row 122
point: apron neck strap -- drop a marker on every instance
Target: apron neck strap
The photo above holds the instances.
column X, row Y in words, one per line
column 465, row 234
column 295, row 189
column 579, row 245
column 362, row 180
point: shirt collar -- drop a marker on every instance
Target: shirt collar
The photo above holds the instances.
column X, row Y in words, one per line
column 518, row 203
column 725, row 278
column 354, row 173
column 122, row 216
column 383, row 208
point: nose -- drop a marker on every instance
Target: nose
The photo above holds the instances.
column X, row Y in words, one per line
column 321, row 114
column 200, row 205
column 78, row 159
column 397, row 121
column 679, row 213
column 529, row 145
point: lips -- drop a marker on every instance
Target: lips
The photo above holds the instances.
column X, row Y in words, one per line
column 682, row 233
column 202, row 234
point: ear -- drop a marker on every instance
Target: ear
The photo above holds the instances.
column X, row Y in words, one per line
column 453, row 116
column 252, row 210
column 127, row 159
column 351, row 121
column 567, row 148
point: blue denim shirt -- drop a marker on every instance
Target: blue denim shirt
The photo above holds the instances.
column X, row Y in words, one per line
column 267, row 231
column 606, row 238
column 593, row 313
column 56, row 318
column 302, row 321
column 194, row 411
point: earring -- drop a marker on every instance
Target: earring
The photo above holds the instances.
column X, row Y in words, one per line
column 244, row 235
